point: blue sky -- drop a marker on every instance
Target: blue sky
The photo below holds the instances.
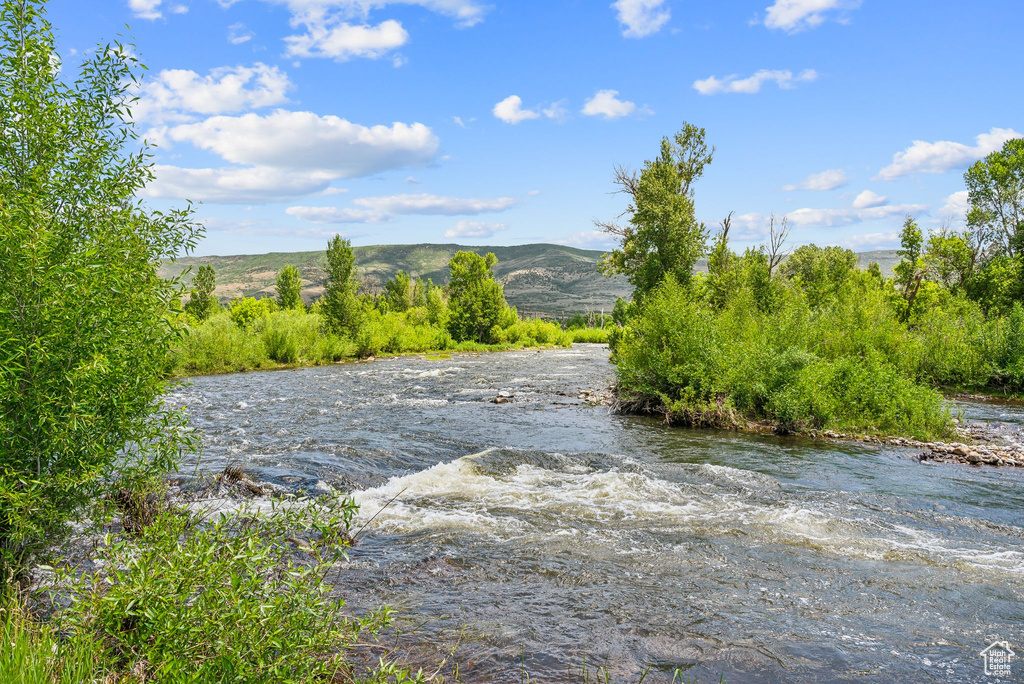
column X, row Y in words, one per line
column 500, row 122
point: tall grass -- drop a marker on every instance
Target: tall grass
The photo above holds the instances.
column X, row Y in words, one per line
column 227, row 343
column 34, row 653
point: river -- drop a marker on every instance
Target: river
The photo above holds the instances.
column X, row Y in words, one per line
column 547, row 531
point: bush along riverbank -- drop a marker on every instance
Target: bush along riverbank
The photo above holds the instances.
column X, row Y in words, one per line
column 411, row 316
column 805, row 342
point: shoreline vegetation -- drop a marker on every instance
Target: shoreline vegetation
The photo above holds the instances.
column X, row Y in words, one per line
column 411, row 316
column 803, row 341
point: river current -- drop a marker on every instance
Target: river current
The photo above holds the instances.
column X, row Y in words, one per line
column 545, row 532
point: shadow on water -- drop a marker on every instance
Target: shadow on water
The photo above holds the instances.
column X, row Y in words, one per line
column 554, row 529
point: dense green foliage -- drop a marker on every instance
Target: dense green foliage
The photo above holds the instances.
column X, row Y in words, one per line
column 662, row 237
column 476, row 300
column 410, row 316
column 340, row 305
column 818, row 344
column 201, row 301
column 289, row 287
column 240, row 598
column 85, row 322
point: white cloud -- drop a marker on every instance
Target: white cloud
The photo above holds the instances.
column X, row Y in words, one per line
column 336, row 215
column 263, row 227
column 607, row 104
column 335, row 191
column 957, row 205
column 829, row 179
column 785, row 79
column 556, row 111
column 179, row 9
column 233, row 185
column 793, row 16
column 871, row 241
column 944, row 155
column 641, row 18
column 146, row 9
column 238, row 33
column 344, row 41
column 305, row 142
column 588, row 239
column 753, row 225
column 510, row 110
column 175, row 93
column 868, row 199
column 828, row 218
column 339, row 29
column 474, row 229
column 435, row 204
column 459, row 122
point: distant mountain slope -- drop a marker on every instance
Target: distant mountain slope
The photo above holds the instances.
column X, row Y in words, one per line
column 539, row 278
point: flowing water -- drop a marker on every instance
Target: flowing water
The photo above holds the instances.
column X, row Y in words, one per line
column 548, row 531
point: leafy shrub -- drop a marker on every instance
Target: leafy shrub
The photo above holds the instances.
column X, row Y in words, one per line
column 591, row 335
column 795, row 367
column 240, row 598
column 248, row 310
column 84, row 334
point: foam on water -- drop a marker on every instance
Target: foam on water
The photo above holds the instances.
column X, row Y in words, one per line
column 617, row 503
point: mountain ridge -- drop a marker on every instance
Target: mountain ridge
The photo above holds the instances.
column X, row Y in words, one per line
column 539, row 278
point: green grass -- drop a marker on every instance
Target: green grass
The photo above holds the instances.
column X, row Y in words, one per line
column 289, row 339
column 591, row 335
column 33, row 653
column 849, row 366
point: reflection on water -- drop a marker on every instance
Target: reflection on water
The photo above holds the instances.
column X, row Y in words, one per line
column 553, row 528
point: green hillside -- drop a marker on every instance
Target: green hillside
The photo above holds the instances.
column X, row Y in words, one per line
column 538, row 278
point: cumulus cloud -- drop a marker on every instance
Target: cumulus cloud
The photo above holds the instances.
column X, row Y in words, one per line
column 340, row 29
column 868, row 199
column 641, row 18
column 146, row 9
column 510, row 110
column 233, row 185
column 944, row 155
column 956, row 205
column 712, row 85
column 305, row 141
column 176, row 94
column 344, row 41
column 793, row 16
column 829, row 179
column 474, row 229
column 829, row 218
column 336, row 215
column 607, row 104
column 867, row 206
column 424, row 203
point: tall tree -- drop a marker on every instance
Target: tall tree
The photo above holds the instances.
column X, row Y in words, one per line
column 289, row 288
column 911, row 269
column 662, row 235
column 86, row 324
column 995, row 189
column 341, row 307
column 201, row 300
column 475, row 298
